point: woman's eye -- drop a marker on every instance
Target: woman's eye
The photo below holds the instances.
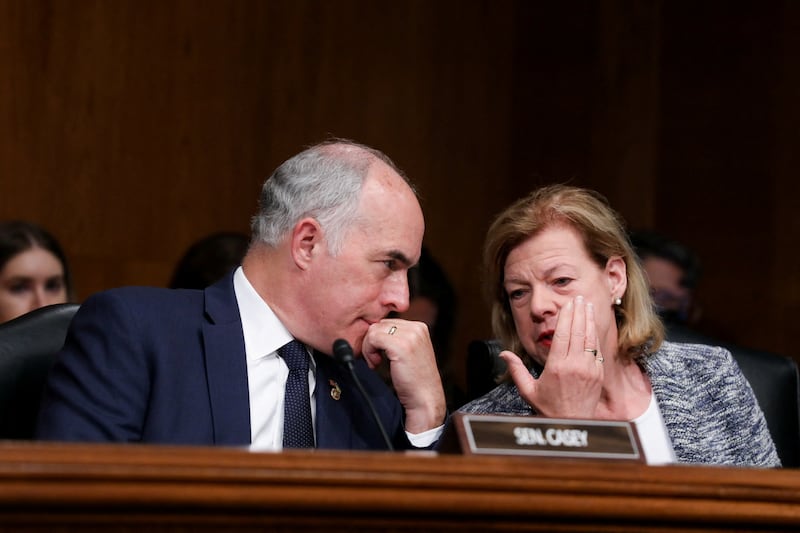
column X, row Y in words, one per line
column 561, row 282
column 18, row 288
column 516, row 294
column 54, row 285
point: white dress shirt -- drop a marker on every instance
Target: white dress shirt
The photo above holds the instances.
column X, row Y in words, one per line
column 653, row 435
column 267, row 372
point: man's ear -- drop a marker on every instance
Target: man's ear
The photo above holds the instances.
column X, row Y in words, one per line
column 617, row 276
column 305, row 242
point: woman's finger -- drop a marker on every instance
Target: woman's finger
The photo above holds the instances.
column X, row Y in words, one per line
column 577, row 341
column 561, row 336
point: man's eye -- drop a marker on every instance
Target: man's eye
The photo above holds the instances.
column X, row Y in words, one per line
column 561, row 282
column 391, row 264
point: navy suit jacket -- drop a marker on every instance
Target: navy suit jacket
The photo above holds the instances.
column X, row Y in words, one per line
column 168, row 366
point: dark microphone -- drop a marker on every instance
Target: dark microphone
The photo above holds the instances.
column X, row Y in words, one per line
column 343, row 353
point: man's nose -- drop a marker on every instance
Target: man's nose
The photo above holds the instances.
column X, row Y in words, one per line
column 396, row 292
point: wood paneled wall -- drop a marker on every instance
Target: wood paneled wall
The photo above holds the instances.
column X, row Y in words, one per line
column 132, row 128
column 727, row 181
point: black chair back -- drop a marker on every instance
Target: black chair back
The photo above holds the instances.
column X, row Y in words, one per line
column 776, row 384
column 28, row 347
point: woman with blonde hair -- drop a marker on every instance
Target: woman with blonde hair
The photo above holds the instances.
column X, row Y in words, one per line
column 570, row 304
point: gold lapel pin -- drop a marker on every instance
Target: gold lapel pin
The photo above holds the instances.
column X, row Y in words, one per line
column 336, row 392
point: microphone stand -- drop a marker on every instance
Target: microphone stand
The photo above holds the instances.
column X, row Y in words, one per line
column 343, row 353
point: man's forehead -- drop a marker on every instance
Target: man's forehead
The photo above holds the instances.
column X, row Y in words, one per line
column 391, row 216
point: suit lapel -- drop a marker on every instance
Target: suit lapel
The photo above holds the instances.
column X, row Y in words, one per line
column 226, row 365
column 335, row 397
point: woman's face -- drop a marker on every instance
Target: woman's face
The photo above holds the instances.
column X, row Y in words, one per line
column 550, row 269
column 29, row 280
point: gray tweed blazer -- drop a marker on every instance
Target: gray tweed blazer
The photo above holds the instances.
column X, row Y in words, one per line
column 709, row 409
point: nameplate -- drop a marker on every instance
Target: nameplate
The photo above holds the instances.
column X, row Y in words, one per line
column 545, row 437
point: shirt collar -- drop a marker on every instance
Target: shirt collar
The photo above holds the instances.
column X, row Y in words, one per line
column 263, row 332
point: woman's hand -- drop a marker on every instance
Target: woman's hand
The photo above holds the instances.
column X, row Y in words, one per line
column 572, row 380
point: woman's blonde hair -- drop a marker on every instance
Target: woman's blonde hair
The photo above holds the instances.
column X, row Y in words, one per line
column 603, row 232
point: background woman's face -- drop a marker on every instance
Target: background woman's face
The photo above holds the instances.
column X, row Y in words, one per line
column 29, row 280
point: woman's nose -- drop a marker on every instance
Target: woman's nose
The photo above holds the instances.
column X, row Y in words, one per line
column 543, row 304
column 38, row 299
column 43, row 297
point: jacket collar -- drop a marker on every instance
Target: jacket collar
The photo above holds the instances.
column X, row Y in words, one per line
column 226, row 365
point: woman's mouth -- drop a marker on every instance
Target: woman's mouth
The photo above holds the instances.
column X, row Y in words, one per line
column 545, row 338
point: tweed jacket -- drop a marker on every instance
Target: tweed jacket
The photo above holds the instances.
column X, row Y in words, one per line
column 708, row 407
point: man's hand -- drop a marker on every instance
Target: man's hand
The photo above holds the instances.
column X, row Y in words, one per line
column 412, row 365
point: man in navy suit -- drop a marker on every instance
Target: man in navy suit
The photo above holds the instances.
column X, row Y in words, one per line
column 337, row 229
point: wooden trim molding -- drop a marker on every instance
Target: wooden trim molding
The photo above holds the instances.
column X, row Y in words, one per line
column 48, row 486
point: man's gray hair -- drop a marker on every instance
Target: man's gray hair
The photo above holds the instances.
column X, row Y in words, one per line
column 323, row 182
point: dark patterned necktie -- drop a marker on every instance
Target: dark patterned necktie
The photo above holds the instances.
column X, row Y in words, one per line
column 298, row 431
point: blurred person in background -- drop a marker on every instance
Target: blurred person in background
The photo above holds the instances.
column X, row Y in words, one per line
column 672, row 273
column 209, row 259
column 33, row 269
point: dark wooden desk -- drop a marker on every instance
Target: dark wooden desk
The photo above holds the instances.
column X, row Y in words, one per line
column 49, row 487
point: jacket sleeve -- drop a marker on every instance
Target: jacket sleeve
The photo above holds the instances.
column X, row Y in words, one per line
column 754, row 447
column 731, row 427
column 98, row 388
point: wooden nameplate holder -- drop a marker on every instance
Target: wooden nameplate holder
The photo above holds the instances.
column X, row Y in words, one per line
column 532, row 436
